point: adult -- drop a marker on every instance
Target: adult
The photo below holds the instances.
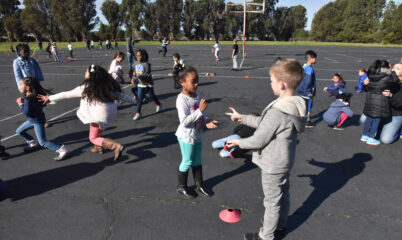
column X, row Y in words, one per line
column 234, row 54
column 391, row 126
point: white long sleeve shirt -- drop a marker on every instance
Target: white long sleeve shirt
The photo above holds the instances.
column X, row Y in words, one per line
column 192, row 120
column 116, row 71
column 95, row 112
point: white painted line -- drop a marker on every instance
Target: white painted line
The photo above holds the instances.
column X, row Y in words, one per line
column 332, row 60
column 10, row 117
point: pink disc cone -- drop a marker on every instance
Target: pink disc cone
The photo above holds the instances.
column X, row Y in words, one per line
column 230, row 215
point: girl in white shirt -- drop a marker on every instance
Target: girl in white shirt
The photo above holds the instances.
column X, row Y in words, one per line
column 189, row 133
column 99, row 94
column 216, row 46
column 115, row 69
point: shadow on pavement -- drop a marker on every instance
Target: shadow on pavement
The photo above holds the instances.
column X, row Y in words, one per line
column 333, row 177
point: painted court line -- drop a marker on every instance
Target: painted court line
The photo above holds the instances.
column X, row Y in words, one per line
column 10, row 117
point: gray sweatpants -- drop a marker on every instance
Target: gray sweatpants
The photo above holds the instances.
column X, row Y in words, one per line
column 235, row 62
column 276, row 203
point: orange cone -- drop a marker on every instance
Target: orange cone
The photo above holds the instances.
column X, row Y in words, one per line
column 230, row 215
column 247, row 76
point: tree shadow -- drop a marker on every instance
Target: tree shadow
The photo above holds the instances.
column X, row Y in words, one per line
column 211, row 100
column 333, row 177
column 41, row 182
column 247, row 166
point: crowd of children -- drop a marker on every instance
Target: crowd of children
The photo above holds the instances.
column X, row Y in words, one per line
column 272, row 135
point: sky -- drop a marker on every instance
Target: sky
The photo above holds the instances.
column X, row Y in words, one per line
column 312, row 7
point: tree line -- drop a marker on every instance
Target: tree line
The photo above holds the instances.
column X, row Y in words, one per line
column 75, row 20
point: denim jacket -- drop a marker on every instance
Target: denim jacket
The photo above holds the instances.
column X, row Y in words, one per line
column 26, row 68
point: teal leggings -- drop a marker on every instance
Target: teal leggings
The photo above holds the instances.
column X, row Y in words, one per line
column 191, row 155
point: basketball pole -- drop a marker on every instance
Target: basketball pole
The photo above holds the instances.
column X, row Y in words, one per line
column 244, row 27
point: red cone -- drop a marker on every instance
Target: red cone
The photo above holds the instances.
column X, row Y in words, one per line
column 230, row 215
column 247, row 76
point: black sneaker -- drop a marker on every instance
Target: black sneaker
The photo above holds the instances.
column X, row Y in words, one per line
column 280, row 233
column 252, row 236
column 309, row 124
column 338, row 128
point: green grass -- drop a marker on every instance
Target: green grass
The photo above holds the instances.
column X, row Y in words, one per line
column 5, row 46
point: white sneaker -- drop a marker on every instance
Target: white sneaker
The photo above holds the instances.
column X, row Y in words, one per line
column 63, row 153
column 32, row 145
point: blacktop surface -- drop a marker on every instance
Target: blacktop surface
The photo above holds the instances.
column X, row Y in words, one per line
column 340, row 188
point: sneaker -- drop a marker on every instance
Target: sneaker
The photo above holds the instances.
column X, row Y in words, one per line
column 340, row 128
column 364, row 138
column 280, row 233
column 373, row 142
column 309, row 124
column 158, row 108
column 32, row 146
column 63, row 153
column 137, row 116
column 252, row 236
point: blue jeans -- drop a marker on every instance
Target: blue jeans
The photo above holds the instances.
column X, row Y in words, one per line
column 391, row 129
column 220, row 143
column 40, row 134
column 371, row 126
column 191, row 155
column 141, row 93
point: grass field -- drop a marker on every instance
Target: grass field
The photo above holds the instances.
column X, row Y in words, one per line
column 5, row 46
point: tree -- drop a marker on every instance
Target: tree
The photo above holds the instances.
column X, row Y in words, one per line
column 176, row 15
column 111, row 11
column 9, row 13
column 188, row 19
column 132, row 12
column 150, row 21
column 391, row 25
column 283, row 24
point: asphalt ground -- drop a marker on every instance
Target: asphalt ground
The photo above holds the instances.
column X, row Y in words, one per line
column 340, row 187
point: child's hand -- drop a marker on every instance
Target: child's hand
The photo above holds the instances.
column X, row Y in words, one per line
column 43, row 98
column 211, row 124
column 366, row 81
column 232, row 143
column 203, row 105
column 234, row 115
column 170, row 74
column 19, row 101
column 325, row 89
column 387, row 93
column 310, row 95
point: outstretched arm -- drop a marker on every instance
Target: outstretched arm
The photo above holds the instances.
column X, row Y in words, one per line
column 75, row 93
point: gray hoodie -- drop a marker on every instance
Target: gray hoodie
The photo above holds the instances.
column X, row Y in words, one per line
column 275, row 137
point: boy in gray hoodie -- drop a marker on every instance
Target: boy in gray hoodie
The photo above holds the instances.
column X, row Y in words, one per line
column 275, row 142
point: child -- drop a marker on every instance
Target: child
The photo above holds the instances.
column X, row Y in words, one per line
column 25, row 66
column 48, row 50
column 100, row 45
column 275, row 140
column 377, row 106
column 55, row 53
column 241, row 131
column 216, row 47
column 337, row 86
column 115, row 69
column 189, row 133
column 70, row 49
column 177, row 68
column 32, row 109
column 98, row 94
column 338, row 112
column 3, row 154
column 235, row 51
column 306, row 88
column 363, row 76
column 165, row 42
column 142, row 74
column 92, row 44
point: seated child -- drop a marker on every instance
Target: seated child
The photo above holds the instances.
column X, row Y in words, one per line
column 241, row 131
column 338, row 112
column 363, row 76
column 337, row 86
